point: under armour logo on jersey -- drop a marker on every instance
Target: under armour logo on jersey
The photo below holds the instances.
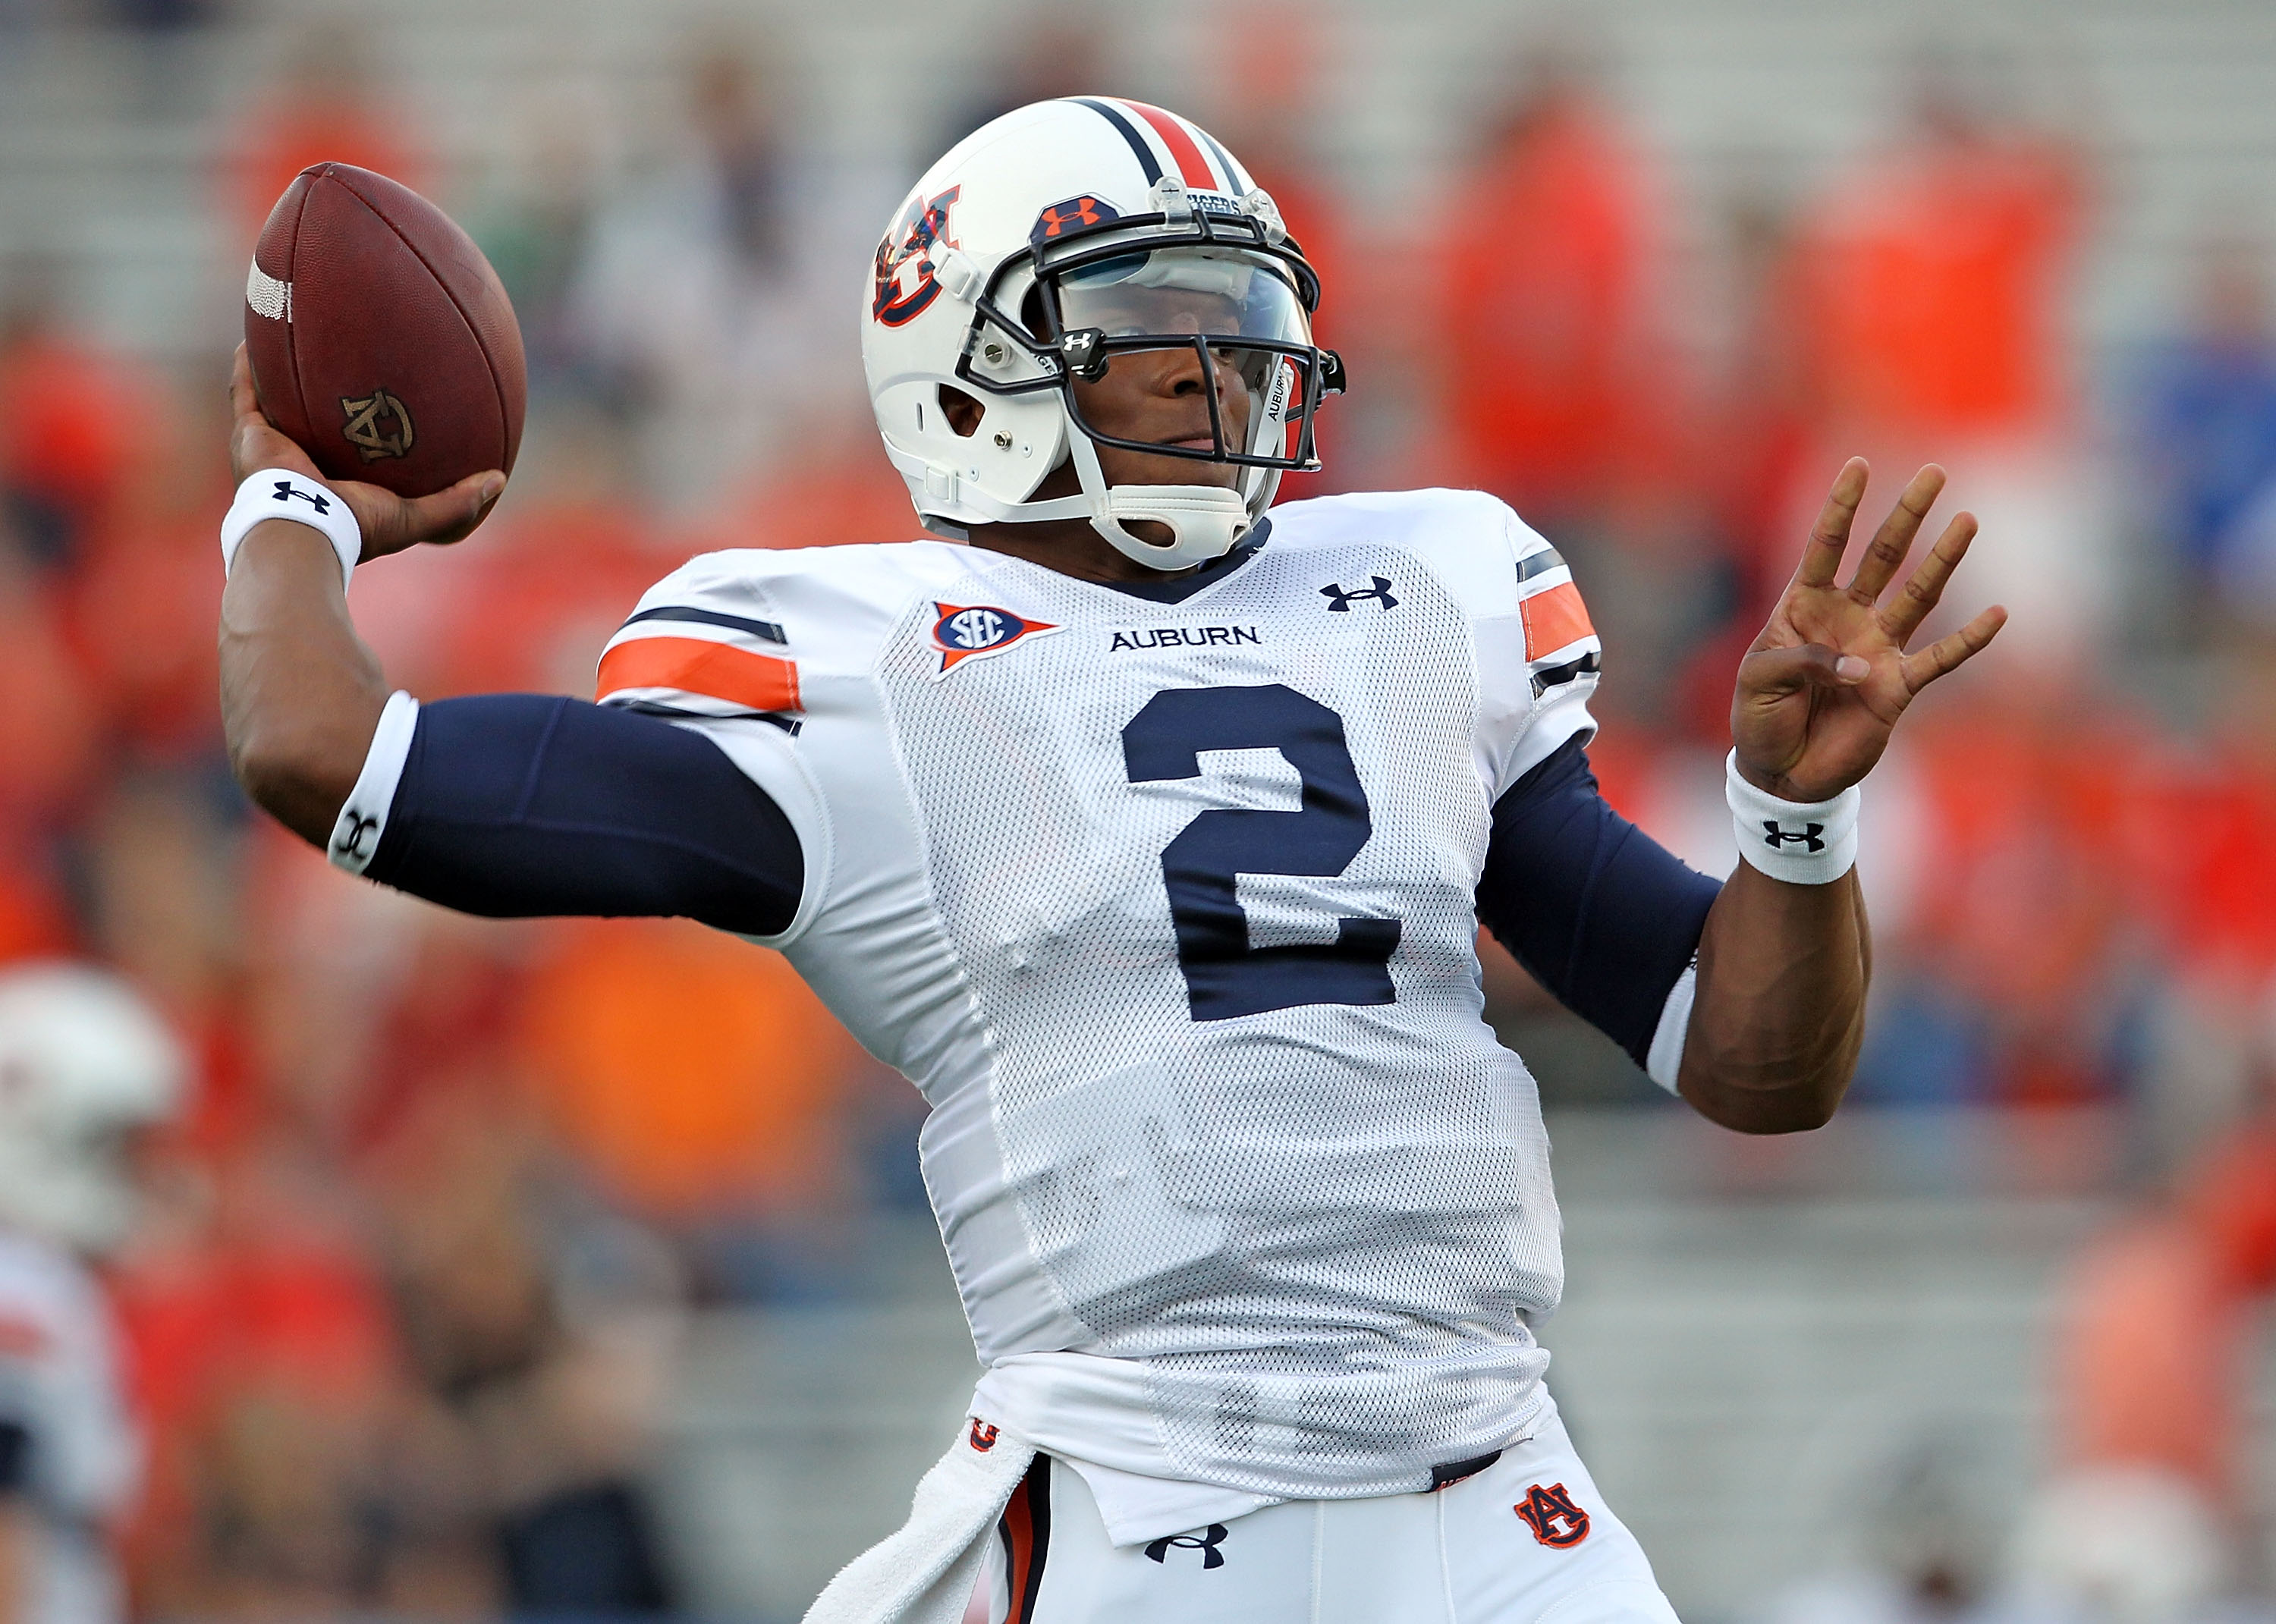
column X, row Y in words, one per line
column 286, row 491
column 1553, row 1516
column 1775, row 837
column 1211, row 1538
column 983, row 1435
column 969, row 632
column 1341, row 600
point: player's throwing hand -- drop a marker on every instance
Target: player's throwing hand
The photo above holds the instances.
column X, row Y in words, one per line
column 390, row 523
column 1822, row 686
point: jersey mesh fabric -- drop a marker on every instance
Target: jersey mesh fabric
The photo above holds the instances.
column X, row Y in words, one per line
column 1322, row 1228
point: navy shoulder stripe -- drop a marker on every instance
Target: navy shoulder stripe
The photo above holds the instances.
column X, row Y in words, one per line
column 677, row 713
column 1539, row 563
column 1556, row 676
column 1146, row 159
column 766, row 631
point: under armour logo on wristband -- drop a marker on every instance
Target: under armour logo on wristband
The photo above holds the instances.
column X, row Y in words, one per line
column 1803, row 843
column 1207, row 1544
column 286, row 491
column 266, row 498
column 1775, row 837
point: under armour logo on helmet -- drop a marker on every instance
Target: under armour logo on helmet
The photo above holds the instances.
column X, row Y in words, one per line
column 1071, row 214
column 1341, row 600
column 1207, row 1544
column 286, row 491
column 1774, row 836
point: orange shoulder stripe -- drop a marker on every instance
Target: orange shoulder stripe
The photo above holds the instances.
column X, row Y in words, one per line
column 1554, row 619
column 695, row 665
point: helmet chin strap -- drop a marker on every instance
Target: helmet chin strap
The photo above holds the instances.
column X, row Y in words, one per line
column 1204, row 521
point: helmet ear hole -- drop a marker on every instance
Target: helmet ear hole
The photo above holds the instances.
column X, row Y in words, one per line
column 961, row 410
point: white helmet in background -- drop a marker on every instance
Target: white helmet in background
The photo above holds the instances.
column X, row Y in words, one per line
column 84, row 1062
column 1043, row 244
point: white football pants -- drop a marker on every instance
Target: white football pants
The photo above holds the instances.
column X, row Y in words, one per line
column 1527, row 1541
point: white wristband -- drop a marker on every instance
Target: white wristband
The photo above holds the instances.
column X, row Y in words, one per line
column 279, row 493
column 1809, row 843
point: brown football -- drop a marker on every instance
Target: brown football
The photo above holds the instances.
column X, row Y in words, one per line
column 382, row 342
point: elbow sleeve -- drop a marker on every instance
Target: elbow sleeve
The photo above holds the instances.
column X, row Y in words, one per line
column 515, row 804
column 1602, row 914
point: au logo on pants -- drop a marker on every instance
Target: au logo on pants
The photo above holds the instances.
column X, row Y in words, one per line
column 1553, row 1516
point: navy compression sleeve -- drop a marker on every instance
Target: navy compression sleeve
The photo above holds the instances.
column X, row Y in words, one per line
column 15, row 1457
column 1604, row 916
column 513, row 805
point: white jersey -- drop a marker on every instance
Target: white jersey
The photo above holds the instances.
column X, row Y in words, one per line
column 60, row 1385
column 1164, row 899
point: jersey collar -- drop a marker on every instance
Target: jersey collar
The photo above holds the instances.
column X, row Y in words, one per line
column 1179, row 588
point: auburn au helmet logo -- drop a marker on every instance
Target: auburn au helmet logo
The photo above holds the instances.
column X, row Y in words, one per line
column 906, row 284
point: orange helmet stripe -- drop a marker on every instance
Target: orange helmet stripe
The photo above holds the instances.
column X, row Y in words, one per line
column 1192, row 166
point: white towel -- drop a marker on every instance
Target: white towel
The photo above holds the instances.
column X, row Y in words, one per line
column 924, row 1571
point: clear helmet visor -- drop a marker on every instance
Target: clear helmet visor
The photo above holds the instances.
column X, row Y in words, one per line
column 1165, row 298
column 1182, row 291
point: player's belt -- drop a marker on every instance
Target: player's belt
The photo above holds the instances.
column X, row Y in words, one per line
column 1454, row 1472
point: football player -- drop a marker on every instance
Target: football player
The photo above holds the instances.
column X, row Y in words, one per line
column 85, row 1067
column 1149, row 831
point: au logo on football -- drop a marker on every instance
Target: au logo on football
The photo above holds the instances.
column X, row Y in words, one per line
column 378, row 425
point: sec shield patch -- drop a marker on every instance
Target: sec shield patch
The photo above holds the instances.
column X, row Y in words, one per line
column 975, row 631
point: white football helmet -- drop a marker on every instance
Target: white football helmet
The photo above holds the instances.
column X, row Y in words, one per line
column 1042, row 244
column 84, row 1062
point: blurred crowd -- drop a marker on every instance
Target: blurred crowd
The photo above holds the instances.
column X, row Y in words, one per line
column 419, row 1251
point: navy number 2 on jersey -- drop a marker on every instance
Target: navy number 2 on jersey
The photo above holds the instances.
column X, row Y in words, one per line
column 1224, row 976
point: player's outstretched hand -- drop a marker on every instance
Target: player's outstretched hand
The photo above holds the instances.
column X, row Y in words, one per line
column 390, row 523
column 1825, row 684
